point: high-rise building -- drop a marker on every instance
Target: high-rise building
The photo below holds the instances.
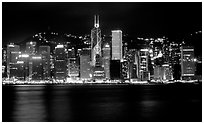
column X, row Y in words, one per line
column 73, row 63
column 117, row 45
column 106, row 60
column 13, row 52
column 23, row 61
column 95, row 41
column 134, row 64
column 143, row 64
column 85, row 65
column 187, row 62
column 60, row 63
column 37, row 68
column 31, row 48
column 44, row 51
column 96, row 54
column 125, row 69
column 115, row 69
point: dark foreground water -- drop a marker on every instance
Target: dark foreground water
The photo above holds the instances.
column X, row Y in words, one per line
column 105, row 103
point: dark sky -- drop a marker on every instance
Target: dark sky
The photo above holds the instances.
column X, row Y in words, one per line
column 174, row 20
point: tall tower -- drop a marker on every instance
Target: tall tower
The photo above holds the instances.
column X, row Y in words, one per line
column 95, row 42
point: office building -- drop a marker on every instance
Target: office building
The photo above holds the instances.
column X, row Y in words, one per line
column 85, row 64
column 187, row 63
column 37, row 67
column 23, row 61
column 73, row 63
column 13, row 52
column 95, row 42
column 44, row 51
column 106, row 60
column 60, row 63
column 117, row 45
column 143, row 65
column 115, row 69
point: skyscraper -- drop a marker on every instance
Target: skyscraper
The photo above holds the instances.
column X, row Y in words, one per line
column 24, row 60
column 187, row 62
column 95, row 41
column 106, row 59
column 73, row 63
column 13, row 52
column 44, row 51
column 60, row 63
column 143, row 62
column 85, row 65
column 96, row 55
column 117, row 45
column 37, row 68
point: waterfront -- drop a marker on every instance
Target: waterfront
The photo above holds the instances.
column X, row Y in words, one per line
column 106, row 103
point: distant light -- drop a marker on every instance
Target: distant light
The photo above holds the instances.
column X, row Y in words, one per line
column 188, row 49
column 150, row 51
column 107, row 45
column 165, row 65
column 11, row 45
column 144, row 50
column 20, row 62
column 36, row 57
column 160, row 54
column 31, row 42
column 194, row 59
column 60, row 46
column 24, row 55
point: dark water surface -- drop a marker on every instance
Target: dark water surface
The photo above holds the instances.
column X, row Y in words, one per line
column 105, row 103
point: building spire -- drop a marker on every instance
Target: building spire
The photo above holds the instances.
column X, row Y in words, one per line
column 96, row 21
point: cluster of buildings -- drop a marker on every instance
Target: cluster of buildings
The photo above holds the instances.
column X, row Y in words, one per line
column 112, row 60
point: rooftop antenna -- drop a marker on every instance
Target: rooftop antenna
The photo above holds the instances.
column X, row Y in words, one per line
column 96, row 21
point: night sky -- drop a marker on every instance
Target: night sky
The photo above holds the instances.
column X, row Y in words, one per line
column 174, row 20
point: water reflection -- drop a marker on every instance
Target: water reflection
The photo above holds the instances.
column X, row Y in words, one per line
column 58, row 104
column 107, row 104
column 29, row 104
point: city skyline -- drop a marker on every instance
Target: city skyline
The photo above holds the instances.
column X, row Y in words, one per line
column 101, row 62
column 174, row 20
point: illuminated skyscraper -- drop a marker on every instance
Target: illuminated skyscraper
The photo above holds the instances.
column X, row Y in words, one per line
column 24, row 60
column 13, row 52
column 95, row 41
column 96, row 56
column 187, row 62
column 85, row 65
column 143, row 62
column 44, row 51
column 134, row 64
column 60, row 62
column 73, row 63
column 106, row 60
column 37, row 68
column 117, row 45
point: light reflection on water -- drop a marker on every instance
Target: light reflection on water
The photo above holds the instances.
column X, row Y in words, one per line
column 70, row 103
column 29, row 104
